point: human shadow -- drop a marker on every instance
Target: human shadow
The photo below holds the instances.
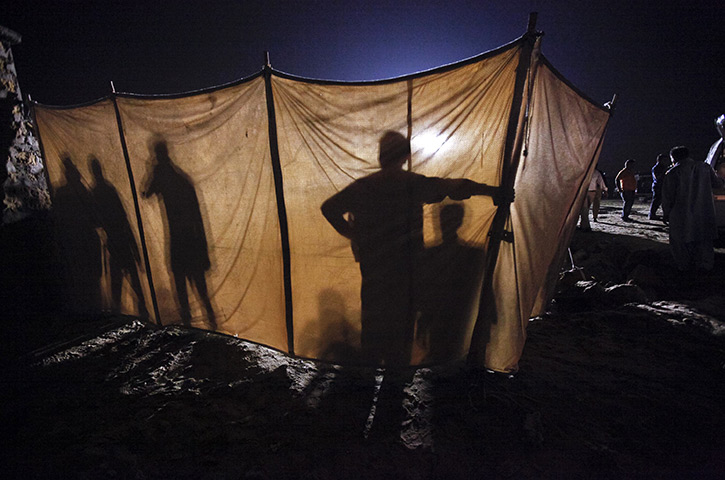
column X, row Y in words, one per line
column 188, row 253
column 450, row 276
column 382, row 215
column 341, row 387
column 78, row 241
column 121, row 247
column 338, row 336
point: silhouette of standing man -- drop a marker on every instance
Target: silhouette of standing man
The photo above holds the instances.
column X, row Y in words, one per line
column 188, row 251
column 76, row 234
column 382, row 214
column 123, row 255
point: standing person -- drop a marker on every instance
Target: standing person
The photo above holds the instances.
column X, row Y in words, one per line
column 594, row 194
column 627, row 184
column 658, row 177
column 688, row 206
column 600, row 192
column 716, row 155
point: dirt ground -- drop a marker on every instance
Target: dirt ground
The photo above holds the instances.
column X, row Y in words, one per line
column 622, row 378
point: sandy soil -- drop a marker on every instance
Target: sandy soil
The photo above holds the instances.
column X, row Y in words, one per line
column 622, row 378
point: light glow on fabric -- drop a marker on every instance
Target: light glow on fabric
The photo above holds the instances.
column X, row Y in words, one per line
column 429, row 143
column 217, row 162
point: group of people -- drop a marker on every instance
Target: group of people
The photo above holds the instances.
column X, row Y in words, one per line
column 683, row 187
column 95, row 235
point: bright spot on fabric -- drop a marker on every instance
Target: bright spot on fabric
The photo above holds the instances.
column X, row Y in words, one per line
column 428, row 143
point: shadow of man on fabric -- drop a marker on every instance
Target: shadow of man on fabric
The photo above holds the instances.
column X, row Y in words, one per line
column 121, row 247
column 188, row 253
column 75, row 230
column 382, row 215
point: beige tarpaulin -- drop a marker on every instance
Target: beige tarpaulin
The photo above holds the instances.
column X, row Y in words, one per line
column 212, row 200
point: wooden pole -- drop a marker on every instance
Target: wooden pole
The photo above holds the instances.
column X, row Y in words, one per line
column 512, row 152
column 409, row 120
column 136, row 205
column 612, row 104
column 281, row 208
column 51, row 194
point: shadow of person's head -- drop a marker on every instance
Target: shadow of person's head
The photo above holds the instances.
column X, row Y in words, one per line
column 451, row 217
column 161, row 150
column 70, row 171
column 96, row 168
column 394, row 150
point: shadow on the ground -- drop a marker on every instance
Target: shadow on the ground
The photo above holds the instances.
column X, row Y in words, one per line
column 605, row 390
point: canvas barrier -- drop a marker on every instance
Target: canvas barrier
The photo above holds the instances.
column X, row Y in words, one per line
column 206, row 209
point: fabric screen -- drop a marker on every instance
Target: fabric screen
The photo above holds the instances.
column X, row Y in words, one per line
column 210, row 169
column 218, row 148
column 329, row 136
column 565, row 133
column 94, row 214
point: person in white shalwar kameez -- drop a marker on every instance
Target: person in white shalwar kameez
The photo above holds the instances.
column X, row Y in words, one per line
column 716, row 155
column 594, row 194
column 688, row 207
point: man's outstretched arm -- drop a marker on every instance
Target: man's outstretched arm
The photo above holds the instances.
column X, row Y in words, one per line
column 464, row 188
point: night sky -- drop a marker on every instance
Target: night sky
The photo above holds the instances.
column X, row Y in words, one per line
column 665, row 60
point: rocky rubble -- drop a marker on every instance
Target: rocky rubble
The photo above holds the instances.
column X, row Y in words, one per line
column 622, row 378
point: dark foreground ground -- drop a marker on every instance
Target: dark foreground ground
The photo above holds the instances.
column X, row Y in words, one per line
column 623, row 378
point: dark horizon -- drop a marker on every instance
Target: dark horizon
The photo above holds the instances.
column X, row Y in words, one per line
column 659, row 60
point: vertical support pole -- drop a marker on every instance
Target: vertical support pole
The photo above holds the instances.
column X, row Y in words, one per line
column 56, row 289
column 42, row 150
column 612, row 104
column 137, row 208
column 512, row 152
column 410, row 120
column 281, row 208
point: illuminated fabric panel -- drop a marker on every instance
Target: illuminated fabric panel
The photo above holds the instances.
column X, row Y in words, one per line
column 387, row 204
column 329, row 137
column 93, row 211
column 203, row 171
column 565, row 131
